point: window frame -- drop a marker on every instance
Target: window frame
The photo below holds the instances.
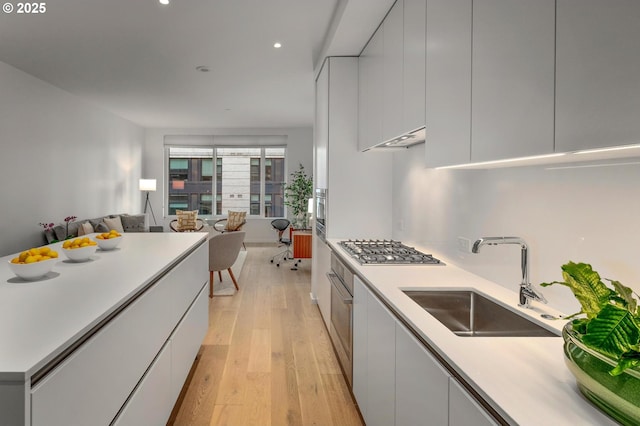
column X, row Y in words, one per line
column 214, row 178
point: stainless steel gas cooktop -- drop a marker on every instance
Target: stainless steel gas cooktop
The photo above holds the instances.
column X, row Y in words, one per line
column 386, row 252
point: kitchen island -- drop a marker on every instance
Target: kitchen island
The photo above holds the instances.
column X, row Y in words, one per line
column 107, row 340
column 509, row 380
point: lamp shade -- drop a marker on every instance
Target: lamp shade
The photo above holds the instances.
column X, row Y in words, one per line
column 147, row 184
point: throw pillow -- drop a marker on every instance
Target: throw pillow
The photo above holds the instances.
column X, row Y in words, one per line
column 85, row 229
column 186, row 220
column 235, row 220
column 114, row 223
column 101, row 227
column 133, row 223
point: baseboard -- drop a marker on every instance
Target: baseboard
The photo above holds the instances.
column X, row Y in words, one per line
column 314, row 300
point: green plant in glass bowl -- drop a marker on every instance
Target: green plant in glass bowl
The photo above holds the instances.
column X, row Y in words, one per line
column 602, row 342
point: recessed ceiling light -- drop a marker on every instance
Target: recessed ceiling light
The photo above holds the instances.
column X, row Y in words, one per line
column 277, row 45
column 203, row 68
column 164, row 1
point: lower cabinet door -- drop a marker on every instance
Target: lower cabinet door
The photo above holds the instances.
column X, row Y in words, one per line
column 380, row 364
column 150, row 403
column 464, row 410
column 422, row 385
column 360, row 382
column 186, row 341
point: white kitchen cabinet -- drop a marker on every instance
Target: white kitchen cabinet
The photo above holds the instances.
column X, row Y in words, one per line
column 597, row 73
column 448, row 82
column 393, row 70
column 391, row 73
column 373, row 357
column 512, row 97
column 370, row 91
column 321, row 265
column 360, row 344
column 321, row 129
column 464, row 410
column 422, row 384
column 414, row 54
column 352, row 174
column 380, row 364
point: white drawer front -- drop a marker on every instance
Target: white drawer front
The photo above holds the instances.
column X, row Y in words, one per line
column 151, row 403
column 186, row 341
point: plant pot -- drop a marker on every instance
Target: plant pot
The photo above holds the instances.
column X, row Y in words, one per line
column 618, row 396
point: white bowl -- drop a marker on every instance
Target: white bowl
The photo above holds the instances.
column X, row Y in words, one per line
column 81, row 254
column 109, row 244
column 32, row 271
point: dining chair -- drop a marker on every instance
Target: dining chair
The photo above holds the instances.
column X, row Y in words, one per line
column 223, row 252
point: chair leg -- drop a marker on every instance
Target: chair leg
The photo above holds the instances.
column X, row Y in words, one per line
column 233, row 279
column 220, row 275
column 210, row 283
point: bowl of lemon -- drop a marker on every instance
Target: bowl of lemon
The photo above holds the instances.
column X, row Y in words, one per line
column 109, row 240
column 34, row 263
column 79, row 249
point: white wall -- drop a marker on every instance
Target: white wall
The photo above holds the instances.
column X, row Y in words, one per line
column 61, row 157
column 584, row 214
column 299, row 142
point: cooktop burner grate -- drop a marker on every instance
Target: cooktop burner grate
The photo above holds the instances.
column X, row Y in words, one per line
column 386, row 252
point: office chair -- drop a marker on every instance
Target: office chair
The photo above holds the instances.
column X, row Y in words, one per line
column 281, row 225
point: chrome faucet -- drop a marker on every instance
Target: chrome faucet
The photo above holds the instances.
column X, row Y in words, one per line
column 527, row 292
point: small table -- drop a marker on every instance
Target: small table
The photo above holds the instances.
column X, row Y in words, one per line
column 301, row 239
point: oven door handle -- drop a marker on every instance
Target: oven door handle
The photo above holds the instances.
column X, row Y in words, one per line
column 347, row 299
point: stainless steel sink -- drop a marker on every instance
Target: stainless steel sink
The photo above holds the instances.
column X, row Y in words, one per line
column 467, row 313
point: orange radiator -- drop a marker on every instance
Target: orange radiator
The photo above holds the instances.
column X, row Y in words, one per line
column 301, row 245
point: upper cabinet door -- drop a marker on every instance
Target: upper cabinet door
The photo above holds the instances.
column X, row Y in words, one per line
column 513, row 78
column 448, row 83
column 321, row 128
column 597, row 74
column 393, row 67
column 415, row 20
column 370, row 96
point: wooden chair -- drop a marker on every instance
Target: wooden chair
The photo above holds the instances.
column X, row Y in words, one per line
column 223, row 252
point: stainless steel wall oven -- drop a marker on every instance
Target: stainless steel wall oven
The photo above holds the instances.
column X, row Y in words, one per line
column 341, row 314
column 321, row 212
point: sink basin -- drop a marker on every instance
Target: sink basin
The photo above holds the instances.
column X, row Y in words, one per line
column 471, row 314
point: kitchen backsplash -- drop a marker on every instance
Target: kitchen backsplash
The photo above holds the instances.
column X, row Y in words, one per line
column 584, row 212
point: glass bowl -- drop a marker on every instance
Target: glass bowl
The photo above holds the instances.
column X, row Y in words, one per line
column 618, row 396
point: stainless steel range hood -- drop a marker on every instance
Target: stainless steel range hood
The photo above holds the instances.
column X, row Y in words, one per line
column 404, row 141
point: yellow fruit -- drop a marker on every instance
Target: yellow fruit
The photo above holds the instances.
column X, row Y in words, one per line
column 44, row 251
column 23, row 256
column 15, row 260
column 53, row 254
column 66, row 244
column 30, row 259
column 34, row 251
column 43, row 258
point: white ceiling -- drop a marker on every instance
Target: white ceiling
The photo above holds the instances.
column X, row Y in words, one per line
column 138, row 58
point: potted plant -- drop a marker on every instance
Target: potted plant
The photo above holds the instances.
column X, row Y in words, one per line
column 602, row 342
column 296, row 197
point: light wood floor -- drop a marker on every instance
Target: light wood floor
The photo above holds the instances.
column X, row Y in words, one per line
column 267, row 358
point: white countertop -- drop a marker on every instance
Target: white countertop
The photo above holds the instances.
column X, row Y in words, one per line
column 39, row 319
column 524, row 378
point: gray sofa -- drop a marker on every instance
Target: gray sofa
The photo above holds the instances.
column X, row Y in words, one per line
column 130, row 223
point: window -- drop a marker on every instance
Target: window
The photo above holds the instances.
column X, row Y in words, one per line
column 247, row 179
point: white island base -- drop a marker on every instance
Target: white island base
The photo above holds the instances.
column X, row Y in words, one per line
column 108, row 341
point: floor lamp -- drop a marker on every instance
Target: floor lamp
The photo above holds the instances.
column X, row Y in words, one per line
column 148, row 185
